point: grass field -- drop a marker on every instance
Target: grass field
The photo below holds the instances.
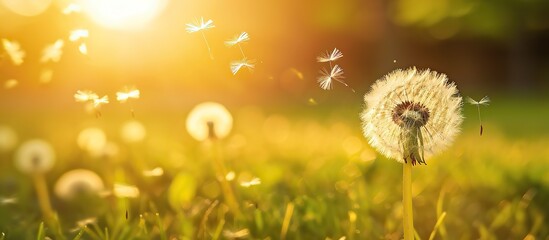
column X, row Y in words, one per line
column 319, row 179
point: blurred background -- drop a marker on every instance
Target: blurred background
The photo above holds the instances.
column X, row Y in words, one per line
column 497, row 48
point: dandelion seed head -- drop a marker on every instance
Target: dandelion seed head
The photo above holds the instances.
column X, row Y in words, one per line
column 53, row 52
column 209, row 120
column 410, row 111
column 35, row 156
column 242, row 37
column 330, row 56
column 199, row 25
column 78, row 182
column 13, row 49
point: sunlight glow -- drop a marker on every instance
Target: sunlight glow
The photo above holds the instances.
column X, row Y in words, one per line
column 123, row 14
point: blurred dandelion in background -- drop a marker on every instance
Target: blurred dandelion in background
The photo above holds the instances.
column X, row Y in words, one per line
column 46, row 75
column 133, row 131
column 78, row 34
column 14, row 51
column 201, row 26
column 35, row 156
column 485, row 101
column 11, row 83
column 72, row 8
column 209, row 120
column 155, row 172
column 53, row 52
column 8, row 138
column 92, row 140
column 78, row 182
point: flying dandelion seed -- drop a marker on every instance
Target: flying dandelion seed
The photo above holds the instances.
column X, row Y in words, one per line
column 243, row 37
column 92, row 98
column 155, row 172
column 72, row 8
column 330, row 56
column 97, row 102
column 126, row 94
column 10, row 83
column 78, row 34
column 14, row 51
column 53, row 52
column 253, row 182
column 78, row 182
column 201, row 27
column 485, row 101
column 326, row 78
column 244, row 63
column 411, row 114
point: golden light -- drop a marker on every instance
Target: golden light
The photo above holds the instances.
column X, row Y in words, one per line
column 123, row 14
column 27, row 8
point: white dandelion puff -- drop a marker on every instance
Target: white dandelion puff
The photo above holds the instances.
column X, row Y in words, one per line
column 14, row 51
column 330, row 56
column 328, row 76
column 127, row 93
column 83, row 48
column 35, row 156
column 97, row 102
column 78, row 182
column 209, row 120
column 485, row 101
column 53, row 52
column 201, row 27
column 125, row 191
column 411, row 114
column 84, row 95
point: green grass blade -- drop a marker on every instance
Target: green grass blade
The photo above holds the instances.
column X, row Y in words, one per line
column 161, row 227
column 41, row 233
column 79, row 235
column 439, row 222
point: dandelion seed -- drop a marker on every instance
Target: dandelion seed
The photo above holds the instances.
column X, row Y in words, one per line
column 253, row 182
column 411, row 114
column 243, row 37
column 209, row 120
column 10, row 83
column 72, row 8
column 330, row 56
column 78, row 34
column 125, row 191
column 326, row 78
column 237, row 65
column 53, row 52
column 155, row 172
column 78, row 182
column 201, row 27
column 235, row 235
column 127, row 93
column 85, row 95
column 485, row 101
column 97, row 102
column 14, row 51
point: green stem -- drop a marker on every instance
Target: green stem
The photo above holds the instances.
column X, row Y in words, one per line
column 43, row 197
column 408, row 217
column 221, row 172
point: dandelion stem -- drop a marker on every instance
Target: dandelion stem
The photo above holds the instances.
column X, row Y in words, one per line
column 286, row 222
column 408, row 217
column 207, row 45
column 43, row 197
column 221, row 172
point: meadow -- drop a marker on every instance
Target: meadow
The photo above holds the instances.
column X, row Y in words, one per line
column 299, row 171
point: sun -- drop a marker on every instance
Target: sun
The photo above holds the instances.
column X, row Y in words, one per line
column 123, row 14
